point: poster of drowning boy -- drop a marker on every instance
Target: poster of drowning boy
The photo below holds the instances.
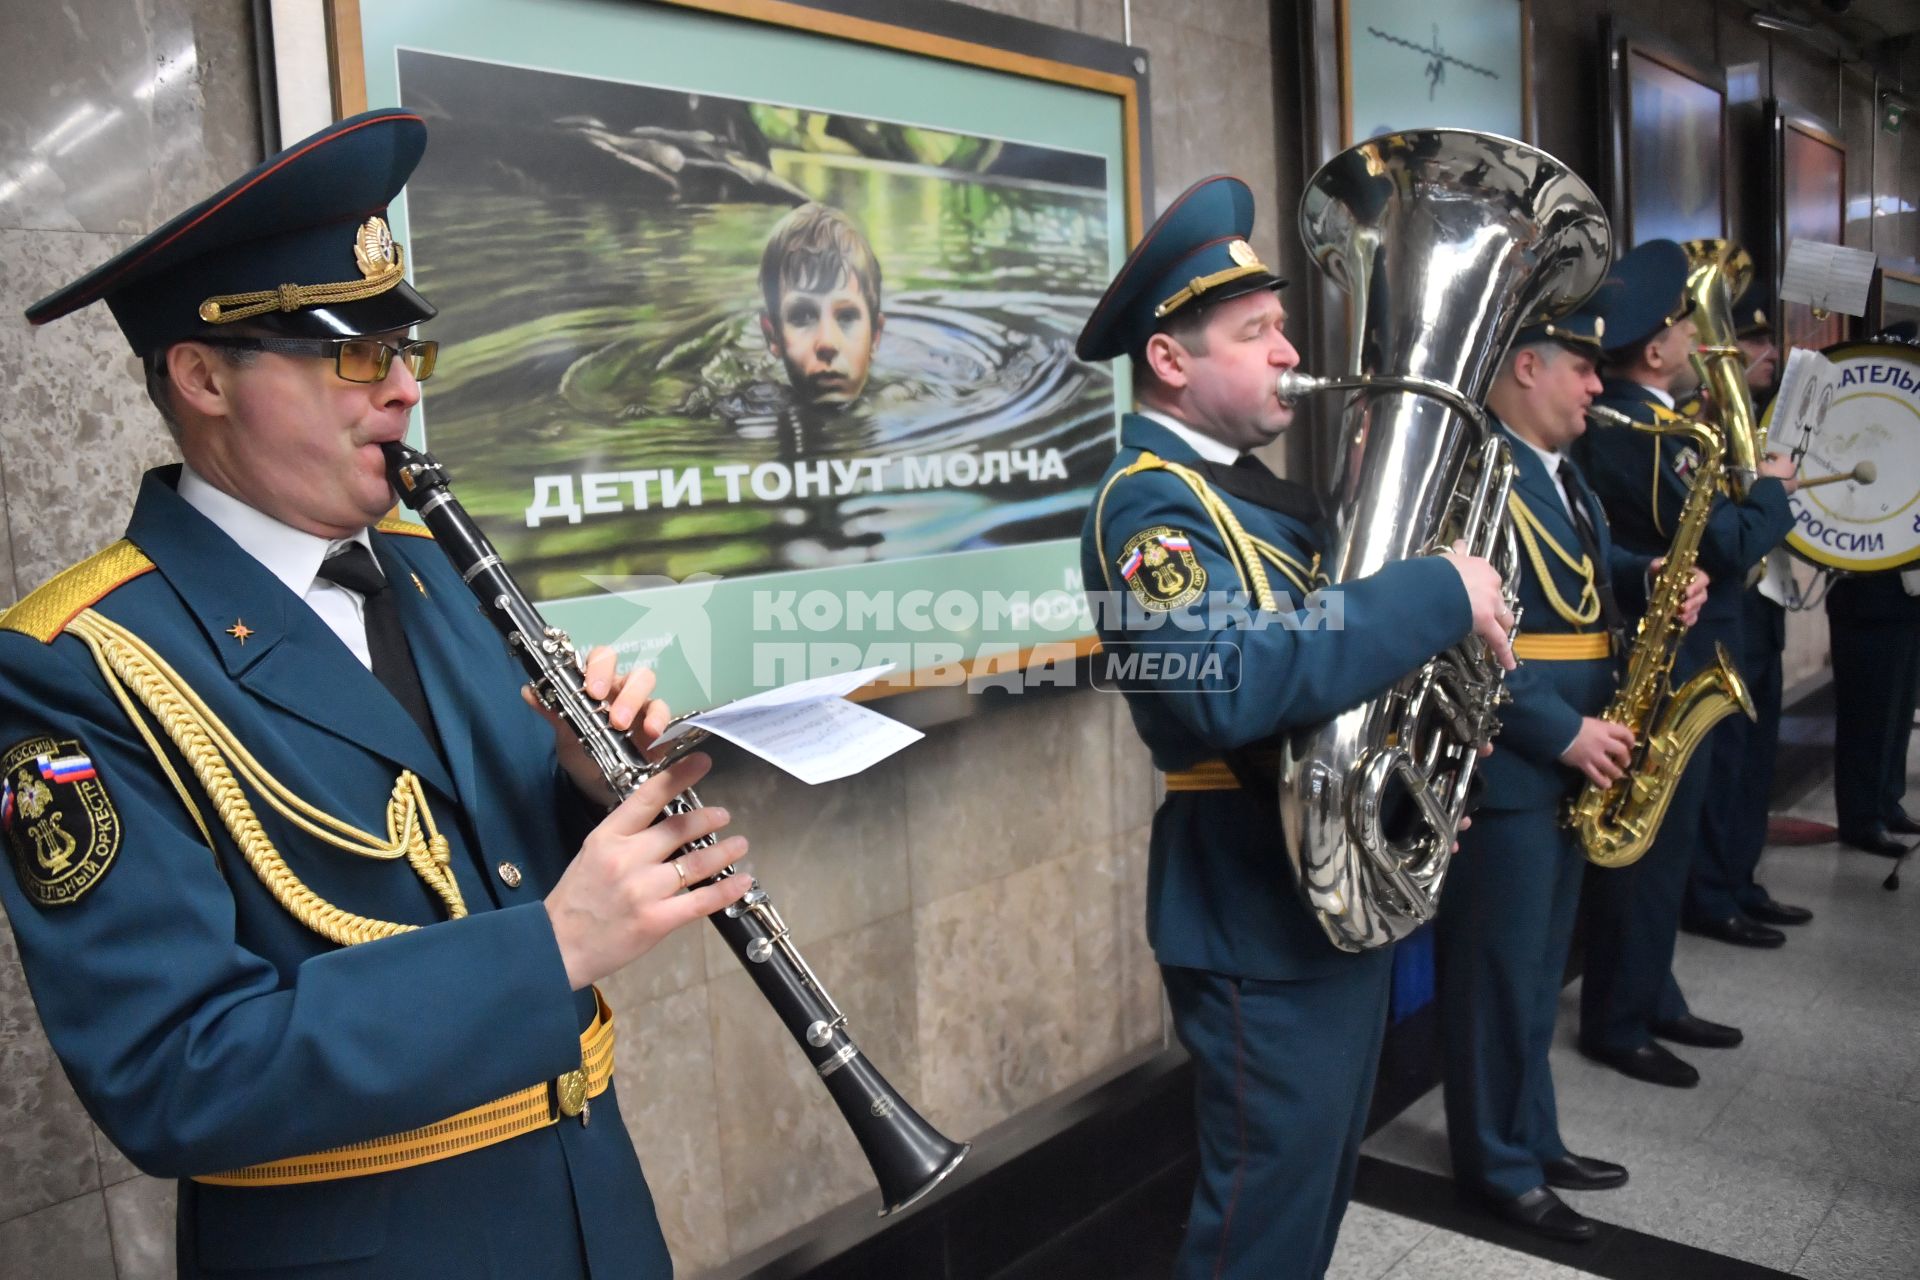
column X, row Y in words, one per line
column 684, row 331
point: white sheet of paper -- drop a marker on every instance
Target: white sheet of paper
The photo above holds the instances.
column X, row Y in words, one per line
column 808, row 728
column 1829, row 276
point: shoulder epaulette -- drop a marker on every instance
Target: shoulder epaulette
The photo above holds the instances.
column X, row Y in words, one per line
column 46, row 610
column 394, row 524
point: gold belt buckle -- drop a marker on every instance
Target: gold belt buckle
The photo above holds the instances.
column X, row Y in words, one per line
column 570, row 1095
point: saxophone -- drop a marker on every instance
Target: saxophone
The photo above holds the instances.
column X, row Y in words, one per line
column 1617, row 824
column 909, row 1157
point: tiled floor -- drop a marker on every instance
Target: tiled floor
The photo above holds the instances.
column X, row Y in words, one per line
column 1800, row 1149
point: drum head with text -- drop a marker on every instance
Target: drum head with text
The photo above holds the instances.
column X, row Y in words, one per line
column 1874, row 417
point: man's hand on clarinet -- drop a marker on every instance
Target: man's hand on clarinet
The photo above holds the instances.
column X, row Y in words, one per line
column 630, row 708
column 625, row 891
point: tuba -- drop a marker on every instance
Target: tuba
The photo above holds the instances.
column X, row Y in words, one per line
column 1719, row 271
column 1446, row 241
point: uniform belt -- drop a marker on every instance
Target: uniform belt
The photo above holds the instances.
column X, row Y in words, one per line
column 1218, row 775
column 534, row 1107
column 1563, row 647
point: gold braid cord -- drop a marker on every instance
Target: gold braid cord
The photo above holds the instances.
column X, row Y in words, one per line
column 1532, row 534
column 1245, row 550
column 226, row 771
column 230, row 307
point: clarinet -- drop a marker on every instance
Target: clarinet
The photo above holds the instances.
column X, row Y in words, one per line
column 909, row 1156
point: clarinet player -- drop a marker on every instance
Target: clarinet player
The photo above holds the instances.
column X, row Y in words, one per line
column 294, row 865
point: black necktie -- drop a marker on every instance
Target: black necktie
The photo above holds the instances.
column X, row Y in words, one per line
column 354, row 568
column 1253, row 481
column 1590, row 547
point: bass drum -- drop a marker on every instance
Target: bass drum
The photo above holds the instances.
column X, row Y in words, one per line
column 1874, row 417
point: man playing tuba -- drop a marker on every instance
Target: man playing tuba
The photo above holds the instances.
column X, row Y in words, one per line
column 1193, row 548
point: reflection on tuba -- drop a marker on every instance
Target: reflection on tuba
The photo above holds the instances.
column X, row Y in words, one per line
column 1447, row 242
column 1617, row 824
column 1718, row 271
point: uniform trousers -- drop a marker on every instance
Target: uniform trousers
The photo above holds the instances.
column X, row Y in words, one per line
column 1504, row 927
column 1733, row 817
column 1284, row 1072
column 1633, row 912
column 1875, row 665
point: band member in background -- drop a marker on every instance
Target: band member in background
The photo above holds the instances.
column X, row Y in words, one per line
column 1193, row 546
column 294, row 864
column 1628, row 994
column 1733, row 825
column 1874, row 621
column 1506, row 919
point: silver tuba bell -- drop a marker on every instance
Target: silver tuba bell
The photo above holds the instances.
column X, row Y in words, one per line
column 1446, row 241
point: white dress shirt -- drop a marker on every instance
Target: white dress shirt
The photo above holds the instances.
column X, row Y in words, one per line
column 1551, row 460
column 1206, row 446
column 290, row 555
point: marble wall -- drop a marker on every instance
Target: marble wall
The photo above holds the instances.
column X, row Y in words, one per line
column 976, row 905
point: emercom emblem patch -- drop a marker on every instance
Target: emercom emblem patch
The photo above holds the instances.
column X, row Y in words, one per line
column 61, row 828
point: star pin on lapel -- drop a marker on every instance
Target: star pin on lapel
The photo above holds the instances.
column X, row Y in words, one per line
column 240, row 631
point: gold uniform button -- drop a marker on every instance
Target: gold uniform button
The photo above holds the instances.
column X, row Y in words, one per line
column 510, row 874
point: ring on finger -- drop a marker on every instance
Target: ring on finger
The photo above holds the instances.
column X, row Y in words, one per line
column 682, row 873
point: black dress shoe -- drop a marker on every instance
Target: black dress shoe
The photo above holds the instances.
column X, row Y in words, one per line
column 1584, row 1173
column 1767, row 911
column 1699, row 1033
column 1738, row 930
column 1903, row 824
column 1546, row 1214
column 1652, row 1062
column 1874, row 839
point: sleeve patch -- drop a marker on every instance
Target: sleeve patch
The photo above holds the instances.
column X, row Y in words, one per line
column 1685, row 462
column 61, row 828
column 1160, row 569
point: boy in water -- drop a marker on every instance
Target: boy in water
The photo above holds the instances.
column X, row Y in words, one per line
column 821, row 285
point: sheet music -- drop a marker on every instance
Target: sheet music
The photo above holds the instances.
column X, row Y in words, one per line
column 807, row 728
column 1829, row 276
column 1807, row 387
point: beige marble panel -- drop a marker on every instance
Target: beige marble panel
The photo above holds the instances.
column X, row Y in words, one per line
column 68, row 1241
column 1101, row 900
column 206, row 115
column 1136, row 783
column 833, row 858
column 991, row 795
column 676, row 964
column 663, row 1065
column 120, row 115
column 76, row 428
column 9, row 592
column 1145, row 1020
column 1242, row 21
column 46, row 1140
column 1809, row 648
column 999, row 1022
column 787, row 1154
column 140, row 1211
column 1212, row 113
column 75, row 149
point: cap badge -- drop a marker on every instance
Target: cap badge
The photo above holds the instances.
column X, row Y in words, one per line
column 373, row 248
column 1599, row 326
column 1242, row 254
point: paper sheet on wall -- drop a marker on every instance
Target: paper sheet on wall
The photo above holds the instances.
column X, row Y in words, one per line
column 807, row 728
column 1829, row 276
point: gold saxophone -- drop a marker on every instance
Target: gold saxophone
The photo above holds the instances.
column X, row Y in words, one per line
column 1717, row 272
column 1617, row 824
